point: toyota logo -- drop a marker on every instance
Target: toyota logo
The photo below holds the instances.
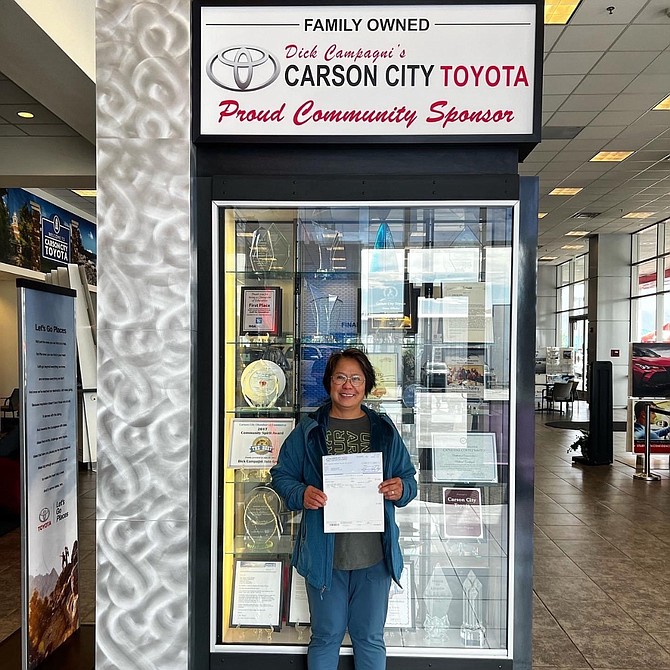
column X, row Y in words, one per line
column 243, row 68
column 44, row 514
column 56, row 223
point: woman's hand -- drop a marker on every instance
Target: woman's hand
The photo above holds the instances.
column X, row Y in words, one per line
column 314, row 498
column 391, row 489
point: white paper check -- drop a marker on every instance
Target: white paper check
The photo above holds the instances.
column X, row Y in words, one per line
column 351, row 482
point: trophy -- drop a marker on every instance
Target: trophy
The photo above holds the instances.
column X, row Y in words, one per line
column 269, row 249
column 472, row 630
column 262, row 383
column 437, row 597
column 262, row 525
column 326, row 310
column 328, row 241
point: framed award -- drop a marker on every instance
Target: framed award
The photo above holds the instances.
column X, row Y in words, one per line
column 401, row 613
column 260, row 310
column 257, row 594
column 298, row 606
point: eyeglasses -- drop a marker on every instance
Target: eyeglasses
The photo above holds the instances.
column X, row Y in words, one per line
column 339, row 379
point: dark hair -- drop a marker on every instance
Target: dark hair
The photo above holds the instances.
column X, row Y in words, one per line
column 356, row 355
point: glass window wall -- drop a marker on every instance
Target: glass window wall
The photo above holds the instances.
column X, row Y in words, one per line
column 427, row 292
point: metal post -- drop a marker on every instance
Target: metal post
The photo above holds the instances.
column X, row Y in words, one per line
column 646, row 473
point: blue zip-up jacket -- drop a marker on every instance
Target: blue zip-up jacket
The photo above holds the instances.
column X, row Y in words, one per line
column 300, row 465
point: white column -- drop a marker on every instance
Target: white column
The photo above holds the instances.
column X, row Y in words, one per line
column 144, row 332
column 545, row 325
column 609, row 307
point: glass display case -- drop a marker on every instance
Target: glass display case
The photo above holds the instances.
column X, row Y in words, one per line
column 427, row 291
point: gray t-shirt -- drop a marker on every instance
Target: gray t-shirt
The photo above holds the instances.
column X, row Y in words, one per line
column 353, row 551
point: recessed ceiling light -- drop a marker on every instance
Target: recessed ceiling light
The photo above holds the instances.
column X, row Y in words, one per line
column 664, row 104
column 637, row 215
column 572, row 246
column 559, row 11
column 577, row 233
column 25, row 115
column 85, row 192
column 610, row 156
column 548, row 258
column 541, row 215
column 565, row 191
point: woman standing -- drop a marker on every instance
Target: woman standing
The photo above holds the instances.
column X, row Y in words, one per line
column 348, row 575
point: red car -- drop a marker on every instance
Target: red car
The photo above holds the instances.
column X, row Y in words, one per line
column 651, row 372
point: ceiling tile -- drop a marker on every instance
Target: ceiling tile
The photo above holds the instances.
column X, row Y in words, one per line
column 562, row 118
column 644, row 38
column 624, row 62
column 604, row 83
column 571, row 63
column 600, row 132
column 650, row 83
column 615, row 118
column 596, row 12
column 629, row 102
column 550, row 103
column 8, row 130
column 587, row 38
column 586, row 103
column 566, row 83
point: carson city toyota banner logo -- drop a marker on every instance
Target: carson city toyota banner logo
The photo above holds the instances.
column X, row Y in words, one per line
column 243, row 68
column 386, row 70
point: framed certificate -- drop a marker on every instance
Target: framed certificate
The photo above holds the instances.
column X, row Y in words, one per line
column 298, row 606
column 257, row 594
column 464, row 457
column 401, row 601
column 260, row 312
column 255, row 443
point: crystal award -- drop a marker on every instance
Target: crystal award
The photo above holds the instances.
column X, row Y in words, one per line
column 472, row 629
column 269, row 249
column 326, row 310
column 262, row 525
column 437, row 599
column 328, row 242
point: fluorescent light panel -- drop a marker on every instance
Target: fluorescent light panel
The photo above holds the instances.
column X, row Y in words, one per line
column 548, row 258
column 610, row 156
column 637, row 215
column 577, row 233
column 541, row 215
column 664, row 104
column 565, row 191
column 559, row 12
column 85, row 192
column 572, row 246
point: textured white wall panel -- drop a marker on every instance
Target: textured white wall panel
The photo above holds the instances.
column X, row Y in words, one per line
column 143, row 60
column 144, row 336
column 142, row 567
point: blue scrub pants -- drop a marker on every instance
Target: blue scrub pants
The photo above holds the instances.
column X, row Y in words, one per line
column 357, row 600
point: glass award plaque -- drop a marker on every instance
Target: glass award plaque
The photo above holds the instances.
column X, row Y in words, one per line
column 262, row 383
column 269, row 249
column 262, row 525
column 437, row 596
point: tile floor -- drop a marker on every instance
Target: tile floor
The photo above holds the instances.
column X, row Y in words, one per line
column 10, row 563
column 602, row 553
